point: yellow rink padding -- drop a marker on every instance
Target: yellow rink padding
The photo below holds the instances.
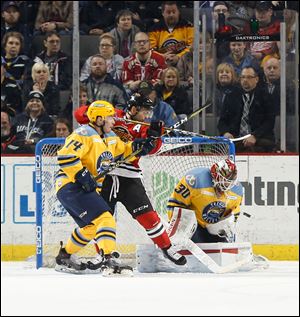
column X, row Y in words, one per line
column 288, row 252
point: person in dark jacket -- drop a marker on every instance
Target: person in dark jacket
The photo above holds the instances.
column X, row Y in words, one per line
column 40, row 82
column 162, row 111
column 11, row 22
column 9, row 142
column 172, row 93
column 10, row 91
column 59, row 63
column 248, row 113
column 34, row 123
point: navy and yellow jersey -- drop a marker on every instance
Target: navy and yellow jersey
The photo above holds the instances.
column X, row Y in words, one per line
column 195, row 191
column 178, row 41
column 85, row 148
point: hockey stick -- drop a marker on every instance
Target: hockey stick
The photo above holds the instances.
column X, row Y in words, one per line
column 133, row 154
column 210, row 263
column 184, row 131
column 182, row 226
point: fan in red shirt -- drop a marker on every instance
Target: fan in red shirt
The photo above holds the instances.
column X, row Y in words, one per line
column 124, row 184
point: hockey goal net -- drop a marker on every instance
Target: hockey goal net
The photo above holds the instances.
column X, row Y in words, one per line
column 161, row 173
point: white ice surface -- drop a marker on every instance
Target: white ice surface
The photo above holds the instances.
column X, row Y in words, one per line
column 26, row 291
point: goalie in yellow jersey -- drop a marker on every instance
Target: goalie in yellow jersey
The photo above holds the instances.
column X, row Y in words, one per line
column 203, row 210
column 214, row 195
column 87, row 152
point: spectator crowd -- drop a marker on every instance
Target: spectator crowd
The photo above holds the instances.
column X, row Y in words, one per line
column 144, row 47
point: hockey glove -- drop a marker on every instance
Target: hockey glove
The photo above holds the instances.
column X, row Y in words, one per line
column 86, row 180
column 145, row 145
column 156, row 129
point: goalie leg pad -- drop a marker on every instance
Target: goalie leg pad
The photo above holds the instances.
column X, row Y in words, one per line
column 183, row 224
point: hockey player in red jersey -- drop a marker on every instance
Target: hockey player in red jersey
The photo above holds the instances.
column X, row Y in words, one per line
column 124, row 184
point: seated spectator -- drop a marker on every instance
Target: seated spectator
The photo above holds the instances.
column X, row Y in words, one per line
column 60, row 65
column 248, row 112
column 9, row 143
column 145, row 64
column 39, row 81
column 268, row 25
column 172, row 93
column 97, row 17
column 162, row 111
column 28, row 11
column 15, row 63
column 61, row 128
column 271, row 86
column 231, row 17
column 226, row 83
column 219, row 8
column 101, row 86
column 240, row 58
column 145, row 13
column 185, row 63
column 114, row 62
column 10, row 91
column 11, row 22
column 54, row 16
column 271, row 82
column 124, row 33
column 34, row 123
column 172, row 36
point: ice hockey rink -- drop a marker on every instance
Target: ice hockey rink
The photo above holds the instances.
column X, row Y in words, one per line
column 45, row 292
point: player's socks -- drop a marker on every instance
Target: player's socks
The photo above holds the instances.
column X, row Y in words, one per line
column 154, row 229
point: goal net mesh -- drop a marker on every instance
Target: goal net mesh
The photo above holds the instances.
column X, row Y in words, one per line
column 161, row 173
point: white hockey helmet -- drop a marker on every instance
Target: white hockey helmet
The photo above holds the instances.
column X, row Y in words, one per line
column 224, row 174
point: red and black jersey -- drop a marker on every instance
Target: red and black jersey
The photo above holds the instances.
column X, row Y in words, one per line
column 133, row 69
column 129, row 132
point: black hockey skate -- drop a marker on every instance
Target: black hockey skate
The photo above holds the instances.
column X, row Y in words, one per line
column 109, row 266
column 172, row 254
column 66, row 263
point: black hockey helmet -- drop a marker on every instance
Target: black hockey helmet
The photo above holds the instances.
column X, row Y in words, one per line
column 139, row 101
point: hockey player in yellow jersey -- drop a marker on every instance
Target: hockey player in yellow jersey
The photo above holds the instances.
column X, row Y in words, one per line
column 214, row 195
column 88, row 151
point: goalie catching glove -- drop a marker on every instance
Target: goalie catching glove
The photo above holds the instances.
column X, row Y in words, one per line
column 86, row 180
column 225, row 228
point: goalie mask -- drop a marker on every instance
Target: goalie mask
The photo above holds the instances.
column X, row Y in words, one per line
column 224, row 174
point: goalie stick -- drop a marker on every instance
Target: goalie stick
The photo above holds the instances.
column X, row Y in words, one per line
column 170, row 129
column 185, row 132
column 210, row 263
column 182, row 227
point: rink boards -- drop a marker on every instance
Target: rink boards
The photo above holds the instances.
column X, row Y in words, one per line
column 270, row 197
